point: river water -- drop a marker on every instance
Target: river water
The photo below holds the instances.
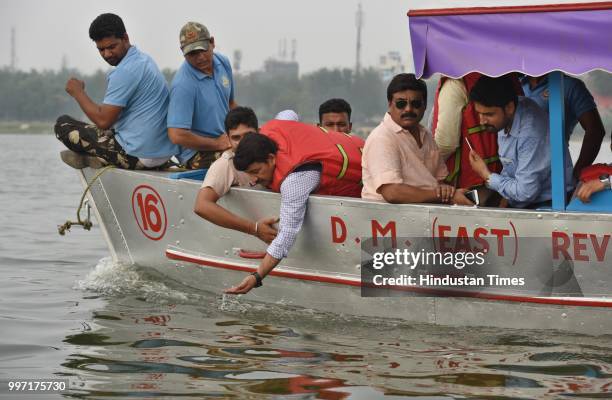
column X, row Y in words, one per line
column 67, row 311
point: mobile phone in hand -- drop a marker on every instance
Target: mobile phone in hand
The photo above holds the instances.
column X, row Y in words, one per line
column 472, row 195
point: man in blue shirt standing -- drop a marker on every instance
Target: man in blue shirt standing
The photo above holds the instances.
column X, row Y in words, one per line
column 579, row 107
column 129, row 128
column 523, row 140
column 202, row 94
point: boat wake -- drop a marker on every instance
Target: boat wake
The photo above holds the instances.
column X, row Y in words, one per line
column 115, row 279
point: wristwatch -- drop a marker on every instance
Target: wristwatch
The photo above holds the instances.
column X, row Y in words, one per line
column 605, row 179
column 258, row 279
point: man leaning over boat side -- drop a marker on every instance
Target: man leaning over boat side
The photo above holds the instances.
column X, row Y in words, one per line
column 201, row 95
column 524, row 144
column 296, row 160
column 335, row 115
column 401, row 162
column 222, row 175
column 579, row 107
column 129, row 127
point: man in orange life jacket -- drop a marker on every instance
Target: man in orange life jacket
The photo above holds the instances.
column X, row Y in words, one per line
column 296, row 159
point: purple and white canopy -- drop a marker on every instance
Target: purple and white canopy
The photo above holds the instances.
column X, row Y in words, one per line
column 573, row 38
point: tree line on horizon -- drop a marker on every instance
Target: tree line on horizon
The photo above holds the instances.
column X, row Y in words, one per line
column 40, row 95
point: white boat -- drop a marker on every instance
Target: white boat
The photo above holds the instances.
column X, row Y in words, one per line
column 147, row 219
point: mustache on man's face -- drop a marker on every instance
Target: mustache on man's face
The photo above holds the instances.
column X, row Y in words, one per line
column 408, row 114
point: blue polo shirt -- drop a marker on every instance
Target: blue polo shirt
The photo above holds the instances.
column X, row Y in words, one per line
column 578, row 99
column 140, row 89
column 525, row 156
column 200, row 102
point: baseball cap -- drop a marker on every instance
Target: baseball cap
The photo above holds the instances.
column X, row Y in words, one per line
column 194, row 36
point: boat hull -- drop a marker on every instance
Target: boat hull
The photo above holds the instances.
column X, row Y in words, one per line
column 148, row 220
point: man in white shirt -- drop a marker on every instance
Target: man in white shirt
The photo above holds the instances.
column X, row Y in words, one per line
column 222, row 175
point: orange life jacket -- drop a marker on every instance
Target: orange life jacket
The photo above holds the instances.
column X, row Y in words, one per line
column 594, row 171
column 483, row 141
column 338, row 153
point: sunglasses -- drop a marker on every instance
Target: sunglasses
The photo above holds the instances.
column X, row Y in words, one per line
column 401, row 104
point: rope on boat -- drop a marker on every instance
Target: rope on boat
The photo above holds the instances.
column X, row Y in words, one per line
column 86, row 224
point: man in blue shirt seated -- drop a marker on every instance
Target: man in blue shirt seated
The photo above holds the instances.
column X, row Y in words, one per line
column 524, row 144
column 579, row 107
column 129, row 127
column 202, row 94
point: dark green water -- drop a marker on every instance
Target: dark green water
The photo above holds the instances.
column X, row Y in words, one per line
column 66, row 310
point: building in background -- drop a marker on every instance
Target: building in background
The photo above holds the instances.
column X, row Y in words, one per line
column 279, row 68
column 390, row 64
column 282, row 66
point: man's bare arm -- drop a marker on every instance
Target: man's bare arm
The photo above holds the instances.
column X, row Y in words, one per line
column 190, row 140
column 206, row 207
column 593, row 136
column 401, row 193
column 102, row 115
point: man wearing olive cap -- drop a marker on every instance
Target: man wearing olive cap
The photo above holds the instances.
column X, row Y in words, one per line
column 201, row 95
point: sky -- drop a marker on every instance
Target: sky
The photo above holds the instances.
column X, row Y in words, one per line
column 49, row 30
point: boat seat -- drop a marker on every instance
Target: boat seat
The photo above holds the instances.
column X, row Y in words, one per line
column 196, row 174
column 600, row 202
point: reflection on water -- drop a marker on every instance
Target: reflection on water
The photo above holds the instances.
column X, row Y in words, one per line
column 206, row 346
column 117, row 331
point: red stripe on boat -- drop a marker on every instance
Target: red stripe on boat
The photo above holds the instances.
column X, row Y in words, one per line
column 180, row 256
column 285, row 274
